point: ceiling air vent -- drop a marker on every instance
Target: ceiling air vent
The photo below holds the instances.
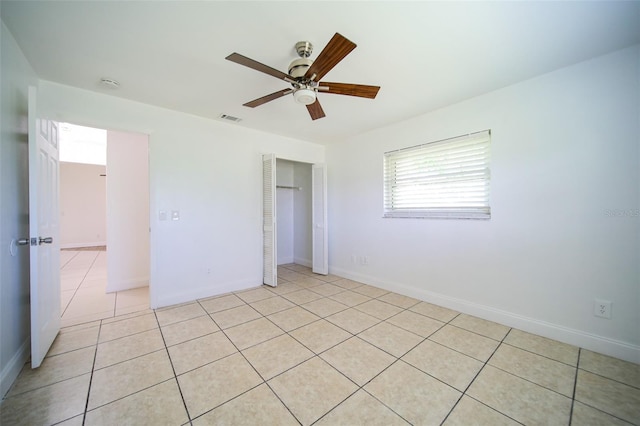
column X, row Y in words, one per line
column 110, row 83
column 230, row 118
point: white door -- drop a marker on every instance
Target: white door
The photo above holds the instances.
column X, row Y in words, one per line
column 44, row 232
column 269, row 231
column 319, row 237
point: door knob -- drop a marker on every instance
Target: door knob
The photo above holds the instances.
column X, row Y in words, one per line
column 23, row 241
column 47, row 240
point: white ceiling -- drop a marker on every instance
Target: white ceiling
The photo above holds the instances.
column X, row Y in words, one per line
column 424, row 55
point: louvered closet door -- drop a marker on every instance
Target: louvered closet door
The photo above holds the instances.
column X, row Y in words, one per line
column 319, row 220
column 269, row 231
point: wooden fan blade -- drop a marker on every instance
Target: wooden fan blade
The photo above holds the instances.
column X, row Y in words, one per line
column 360, row 90
column 268, row 98
column 335, row 51
column 315, row 110
column 247, row 62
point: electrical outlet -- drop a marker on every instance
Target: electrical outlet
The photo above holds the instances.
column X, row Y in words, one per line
column 602, row 308
column 365, row 260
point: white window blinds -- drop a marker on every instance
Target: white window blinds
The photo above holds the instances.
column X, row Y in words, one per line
column 443, row 179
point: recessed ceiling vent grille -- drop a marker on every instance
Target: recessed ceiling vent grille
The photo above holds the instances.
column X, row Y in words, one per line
column 230, row 118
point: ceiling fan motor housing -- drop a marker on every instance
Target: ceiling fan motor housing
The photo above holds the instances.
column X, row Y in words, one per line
column 299, row 67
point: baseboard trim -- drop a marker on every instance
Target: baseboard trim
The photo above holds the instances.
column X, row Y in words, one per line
column 14, row 366
column 82, row 245
column 127, row 284
column 204, row 292
column 285, row 261
column 601, row 344
column 303, row 262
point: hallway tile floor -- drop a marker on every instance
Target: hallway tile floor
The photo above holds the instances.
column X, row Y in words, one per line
column 83, row 282
column 317, row 350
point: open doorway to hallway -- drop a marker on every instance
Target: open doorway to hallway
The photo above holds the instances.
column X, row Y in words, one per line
column 104, row 223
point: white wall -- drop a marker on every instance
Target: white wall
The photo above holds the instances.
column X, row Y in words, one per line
column 302, row 214
column 565, row 153
column 83, row 205
column 284, row 211
column 127, row 211
column 17, row 75
column 210, row 171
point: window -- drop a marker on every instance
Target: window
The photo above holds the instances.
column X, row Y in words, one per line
column 442, row 179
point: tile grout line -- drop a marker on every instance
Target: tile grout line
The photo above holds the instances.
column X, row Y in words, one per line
column 402, row 328
column 79, row 285
column 70, row 259
column 608, row 378
column 315, row 355
column 175, row 376
column 379, row 321
column 484, row 364
column 423, row 339
column 599, row 375
column 93, row 366
column 280, row 399
column 531, row 381
column 397, row 359
column 265, row 382
column 575, row 385
column 538, row 354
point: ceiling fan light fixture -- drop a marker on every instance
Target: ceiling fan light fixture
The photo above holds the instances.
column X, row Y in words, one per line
column 305, row 96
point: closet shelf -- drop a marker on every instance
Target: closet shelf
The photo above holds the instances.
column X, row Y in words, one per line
column 297, row 188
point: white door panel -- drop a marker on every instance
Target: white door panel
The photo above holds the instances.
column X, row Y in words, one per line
column 44, row 232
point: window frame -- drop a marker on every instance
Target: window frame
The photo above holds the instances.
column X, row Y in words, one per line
column 413, row 192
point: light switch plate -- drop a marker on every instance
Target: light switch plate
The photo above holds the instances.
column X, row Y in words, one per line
column 175, row 215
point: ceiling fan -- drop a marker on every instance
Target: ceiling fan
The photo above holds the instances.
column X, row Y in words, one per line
column 305, row 75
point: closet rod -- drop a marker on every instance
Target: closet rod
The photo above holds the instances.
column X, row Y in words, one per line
column 289, row 187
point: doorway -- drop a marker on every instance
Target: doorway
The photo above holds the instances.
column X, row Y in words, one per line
column 294, row 217
column 104, row 212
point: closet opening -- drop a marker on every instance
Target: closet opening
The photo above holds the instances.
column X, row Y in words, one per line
column 293, row 206
column 294, row 214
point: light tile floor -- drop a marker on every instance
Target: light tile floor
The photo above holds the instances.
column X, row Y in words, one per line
column 317, row 350
column 83, row 282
